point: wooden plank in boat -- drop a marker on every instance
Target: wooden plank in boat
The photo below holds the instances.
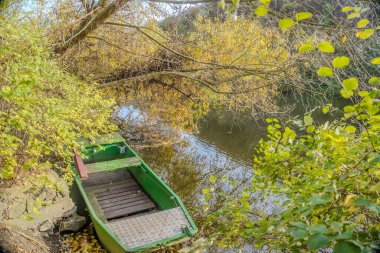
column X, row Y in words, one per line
column 120, row 192
column 112, row 186
column 113, row 164
column 129, row 210
column 126, row 205
column 106, row 202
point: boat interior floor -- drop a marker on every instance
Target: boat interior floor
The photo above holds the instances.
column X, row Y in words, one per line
column 113, row 199
column 128, row 212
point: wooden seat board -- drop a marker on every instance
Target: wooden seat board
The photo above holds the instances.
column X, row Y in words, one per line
column 121, row 198
column 120, row 192
column 125, row 194
column 114, row 187
column 106, row 202
column 129, row 210
column 113, row 164
column 126, row 205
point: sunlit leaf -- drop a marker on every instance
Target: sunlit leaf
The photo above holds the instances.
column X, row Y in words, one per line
column 347, row 9
column 350, row 129
column 307, row 120
column 303, row 15
column 351, row 84
column 326, row 47
column 261, row 11
column 353, row 15
column 212, row 179
column 235, row 2
column 325, row 71
column 344, row 39
column 374, row 80
column 346, row 93
column 305, row 48
column 376, row 61
column 286, row 23
column 365, row 34
column 222, row 4
column 363, row 23
column 265, row 2
column 341, row 62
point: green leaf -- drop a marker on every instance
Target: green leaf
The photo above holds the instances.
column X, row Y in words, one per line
column 318, row 229
column 261, row 11
column 307, row 120
column 299, row 224
column 265, row 2
column 336, row 225
column 341, row 62
column 212, row 179
column 376, row 61
column 346, row 93
column 344, row 236
column 367, row 204
column 353, row 15
column 303, row 15
column 325, row 71
column 298, row 233
column 310, row 129
column 363, row 93
column 305, row 48
column 365, row 34
column 346, row 247
column 349, row 109
column 374, row 80
column 326, row 109
column 351, row 84
column 286, row 23
column 326, row 47
column 235, row 2
column 317, row 241
column 347, row 9
column 363, row 23
column 350, row 129
column 222, row 4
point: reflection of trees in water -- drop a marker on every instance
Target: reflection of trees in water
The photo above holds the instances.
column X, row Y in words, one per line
column 188, row 173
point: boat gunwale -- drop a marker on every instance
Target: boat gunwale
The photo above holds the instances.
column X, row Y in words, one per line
column 178, row 201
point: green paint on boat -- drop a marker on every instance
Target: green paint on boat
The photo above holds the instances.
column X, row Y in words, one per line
column 131, row 208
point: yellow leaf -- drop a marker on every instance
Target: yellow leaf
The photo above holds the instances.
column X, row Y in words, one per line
column 363, row 23
column 305, row 48
column 344, row 39
column 376, row 61
column 286, row 23
column 303, row 15
column 261, row 11
column 325, row 71
column 353, row 15
column 365, row 34
column 347, row 8
column 265, row 2
column 341, row 62
column 326, row 47
column 349, row 200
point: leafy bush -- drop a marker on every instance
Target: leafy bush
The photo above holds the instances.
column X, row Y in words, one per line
column 317, row 187
column 43, row 109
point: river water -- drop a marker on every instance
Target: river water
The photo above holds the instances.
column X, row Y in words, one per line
column 220, row 147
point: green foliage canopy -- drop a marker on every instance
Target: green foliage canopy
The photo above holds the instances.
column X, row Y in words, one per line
column 43, row 109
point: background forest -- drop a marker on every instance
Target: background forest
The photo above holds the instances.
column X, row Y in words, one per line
column 69, row 67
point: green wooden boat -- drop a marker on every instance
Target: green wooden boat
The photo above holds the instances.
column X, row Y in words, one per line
column 131, row 208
